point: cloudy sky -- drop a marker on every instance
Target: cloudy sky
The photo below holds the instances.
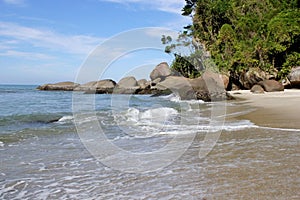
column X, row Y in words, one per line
column 45, row 41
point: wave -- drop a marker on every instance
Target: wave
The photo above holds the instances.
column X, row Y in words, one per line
column 66, row 118
column 35, row 118
column 154, row 114
column 175, row 98
column 28, row 118
column 280, row 129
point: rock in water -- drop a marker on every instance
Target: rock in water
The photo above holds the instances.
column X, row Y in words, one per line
column 257, row 89
column 161, row 71
column 86, row 86
column 143, row 83
column 294, row 77
column 128, row 82
column 209, row 87
column 99, row 87
column 271, row 85
column 127, row 85
column 62, row 86
column 178, row 85
column 145, row 87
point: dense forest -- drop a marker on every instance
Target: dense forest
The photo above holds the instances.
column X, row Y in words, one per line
column 239, row 35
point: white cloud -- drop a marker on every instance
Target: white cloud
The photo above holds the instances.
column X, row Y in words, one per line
column 172, row 6
column 27, row 55
column 15, row 2
column 74, row 44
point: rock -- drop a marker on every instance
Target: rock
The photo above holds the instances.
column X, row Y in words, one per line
column 178, row 85
column 209, row 87
column 127, row 85
column 132, row 90
column 161, row 71
column 99, row 87
column 294, row 77
column 251, row 77
column 62, row 86
column 86, row 86
column 246, row 79
column 143, row 83
column 271, row 85
column 128, row 82
column 105, row 86
column 145, row 87
column 214, row 81
column 257, row 89
column 154, row 82
column 225, row 79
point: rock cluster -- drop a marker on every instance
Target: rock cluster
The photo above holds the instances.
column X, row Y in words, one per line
column 209, row 87
column 267, row 86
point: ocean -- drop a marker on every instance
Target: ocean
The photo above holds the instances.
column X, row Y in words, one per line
column 65, row 145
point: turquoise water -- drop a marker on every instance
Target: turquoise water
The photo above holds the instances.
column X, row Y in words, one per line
column 45, row 155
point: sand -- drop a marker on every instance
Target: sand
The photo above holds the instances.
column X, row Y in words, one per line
column 274, row 109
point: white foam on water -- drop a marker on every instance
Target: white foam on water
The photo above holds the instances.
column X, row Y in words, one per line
column 177, row 99
column 66, row 118
column 280, row 129
column 151, row 115
column 228, row 126
column 1, row 144
column 159, row 114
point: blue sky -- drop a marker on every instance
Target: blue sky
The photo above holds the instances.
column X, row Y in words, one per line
column 45, row 41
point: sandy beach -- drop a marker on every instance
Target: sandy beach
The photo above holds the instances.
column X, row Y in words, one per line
column 274, row 109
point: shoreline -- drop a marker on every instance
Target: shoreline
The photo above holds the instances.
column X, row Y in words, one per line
column 273, row 109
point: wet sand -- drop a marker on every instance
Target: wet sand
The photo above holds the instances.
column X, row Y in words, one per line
column 274, row 109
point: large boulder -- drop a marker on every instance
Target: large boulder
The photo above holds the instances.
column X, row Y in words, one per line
column 251, row 77
column 127, row 85
column 62, row 86
column 143, row 83
column 100, row 87
column 247, row 79
column 209, row 87
column 144, row 87
column 271, row 85
column 128, row 82
column 180, row 86
column 161, row 71
column 86, row 86
column 294, row 77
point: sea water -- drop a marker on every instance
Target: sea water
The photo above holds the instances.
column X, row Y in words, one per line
column 45, row 154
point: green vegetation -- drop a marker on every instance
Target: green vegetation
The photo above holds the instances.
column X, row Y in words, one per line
column 239, row 35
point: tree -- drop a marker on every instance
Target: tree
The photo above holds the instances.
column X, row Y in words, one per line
column 244, row 34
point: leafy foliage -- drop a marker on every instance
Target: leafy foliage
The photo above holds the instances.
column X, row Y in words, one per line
column 244, row 34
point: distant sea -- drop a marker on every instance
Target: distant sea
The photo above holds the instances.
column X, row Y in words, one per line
column 43, row 157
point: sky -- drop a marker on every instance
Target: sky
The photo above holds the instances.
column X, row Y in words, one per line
column 47, row 41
